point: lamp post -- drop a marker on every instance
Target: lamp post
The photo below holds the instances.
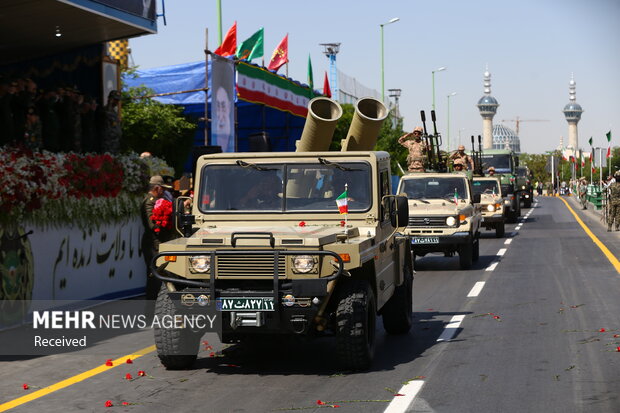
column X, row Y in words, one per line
column 440, row 69
column 450, row 95
column 394, row 20
column 460, row 130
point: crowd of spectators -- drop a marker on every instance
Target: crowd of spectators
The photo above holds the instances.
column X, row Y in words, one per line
column 62, row 119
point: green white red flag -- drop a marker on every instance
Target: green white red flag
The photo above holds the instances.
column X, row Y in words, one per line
column 608, row 135
column 343, row 202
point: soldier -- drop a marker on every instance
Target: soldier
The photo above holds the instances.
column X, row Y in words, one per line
column 468, row 162
column 459, row 165
column 417, row 150
column 491, row 171
column 112, row 124
column 582, row 190
column 152, row 236
column 614, row 204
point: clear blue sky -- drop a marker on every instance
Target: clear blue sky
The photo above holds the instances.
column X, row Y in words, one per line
column 531, row 47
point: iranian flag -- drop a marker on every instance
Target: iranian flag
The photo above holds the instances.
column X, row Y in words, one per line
column 343, row 202
column 456, row 196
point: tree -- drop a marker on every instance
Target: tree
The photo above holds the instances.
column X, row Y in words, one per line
column 157, row 128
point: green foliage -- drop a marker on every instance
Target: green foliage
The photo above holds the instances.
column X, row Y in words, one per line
column 157, row 128
column 537, row 164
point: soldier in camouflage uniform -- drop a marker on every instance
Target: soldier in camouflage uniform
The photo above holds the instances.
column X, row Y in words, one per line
column 417, row 150
column 613, row 215
column 582, row 189
column 468, row 162
column 112, row 124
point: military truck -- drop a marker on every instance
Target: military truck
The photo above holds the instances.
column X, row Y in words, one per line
column 505, row 163
column 524, row 184
column 491, row 203
column 442, row 215
column 270, row 246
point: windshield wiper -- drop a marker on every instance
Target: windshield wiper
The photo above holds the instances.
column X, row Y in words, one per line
column 421, row 200
column 253, row 165
column 337, row 165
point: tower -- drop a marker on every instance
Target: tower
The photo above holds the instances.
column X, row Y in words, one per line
column 331, row 50
column 572, row 112
column 487, row 105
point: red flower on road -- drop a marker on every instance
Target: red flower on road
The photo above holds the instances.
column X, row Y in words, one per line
column 141, row 373
column 128, row 376
column 108, row 403
column 129, row 361
column 25, row 386
column 109, row 363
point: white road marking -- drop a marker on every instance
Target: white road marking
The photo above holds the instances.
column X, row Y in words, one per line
column 518, row 227
column 501, row 252
column 492, row 266
column 451, row 328
column 508, row 241
column 476, row 289
column 409, row 391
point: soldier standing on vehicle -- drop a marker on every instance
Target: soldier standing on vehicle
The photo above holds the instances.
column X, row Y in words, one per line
column 458, row 165
column 613, row 215
column 491, row 171
column 417, row 150
column 468, row 162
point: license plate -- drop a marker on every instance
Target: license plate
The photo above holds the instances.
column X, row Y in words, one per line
column 245, row 304
column 425, row 240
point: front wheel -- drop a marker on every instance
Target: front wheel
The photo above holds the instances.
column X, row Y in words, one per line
column 355, row 325
column 500, row 230
column 177, row 348
column 398, row 311
column 466, row 253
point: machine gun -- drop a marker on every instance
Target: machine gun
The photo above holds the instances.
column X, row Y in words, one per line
column 477, row 156
column 433, row 142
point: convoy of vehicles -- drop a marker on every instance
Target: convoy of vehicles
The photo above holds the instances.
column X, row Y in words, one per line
column 505, row 163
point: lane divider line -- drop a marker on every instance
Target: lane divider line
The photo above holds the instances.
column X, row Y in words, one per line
column 492, row 266
column 475, row 291
column 400, row 404
column 451, row 328
column 73, row 380
column 611, row 257
column 501, row 252
column 508, row 241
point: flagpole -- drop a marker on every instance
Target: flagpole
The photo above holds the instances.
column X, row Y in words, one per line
column 346, row 216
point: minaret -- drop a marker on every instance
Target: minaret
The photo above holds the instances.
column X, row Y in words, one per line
column 487, row 106
column 572, row 112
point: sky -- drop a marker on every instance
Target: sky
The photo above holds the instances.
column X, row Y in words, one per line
column 531, row 48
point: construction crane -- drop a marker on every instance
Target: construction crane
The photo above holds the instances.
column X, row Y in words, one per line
column 518, row 120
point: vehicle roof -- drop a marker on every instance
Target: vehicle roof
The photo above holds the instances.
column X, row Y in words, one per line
column 486, row 178
column 378, row 155
column 435, row 175
column 497, row 152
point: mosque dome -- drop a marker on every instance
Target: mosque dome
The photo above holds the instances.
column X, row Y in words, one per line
column 503, row 136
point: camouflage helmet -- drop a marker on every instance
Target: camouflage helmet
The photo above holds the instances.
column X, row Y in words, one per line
column 458, row 161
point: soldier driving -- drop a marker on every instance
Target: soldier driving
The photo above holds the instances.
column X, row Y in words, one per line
column 468, row 162
column 417, row 149
column 459, row 165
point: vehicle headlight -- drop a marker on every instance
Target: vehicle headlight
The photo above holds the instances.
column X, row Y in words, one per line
column 491, row 208
column 200, row 263
column 450, row 221
column 522, row 186
column 304, row 263
column 507, row 202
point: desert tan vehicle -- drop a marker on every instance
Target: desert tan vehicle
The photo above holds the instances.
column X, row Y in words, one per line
column 442, row 215
column 271, row 255
column 491, row 204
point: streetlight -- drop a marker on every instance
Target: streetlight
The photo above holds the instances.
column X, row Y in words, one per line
column 451, row 94
column 461, row 130
column 441, row 69
column 394, row 20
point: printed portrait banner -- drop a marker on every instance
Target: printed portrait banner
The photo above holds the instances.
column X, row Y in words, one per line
column 223, row 103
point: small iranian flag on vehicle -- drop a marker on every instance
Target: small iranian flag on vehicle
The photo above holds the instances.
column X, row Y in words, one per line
column 342, row 202
column 456, row 196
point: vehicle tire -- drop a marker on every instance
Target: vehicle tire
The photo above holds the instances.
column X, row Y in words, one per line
column 500, row 230
column 527, row 202
column 397, row 313
column 511, row 216
column 465, row 255
column 177, row 348
column 476, row 250
column 355, row 325
column 518, row 211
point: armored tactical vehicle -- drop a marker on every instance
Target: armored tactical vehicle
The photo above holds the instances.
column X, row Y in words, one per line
column 524, row 185
column 272, row 253
column 491, row 203
column 505, row 163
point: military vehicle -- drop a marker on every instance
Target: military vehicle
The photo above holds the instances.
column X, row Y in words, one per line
column 267, row 244
column 524, row 184
column 491, row 203
column 505, row 163
column 442, row 215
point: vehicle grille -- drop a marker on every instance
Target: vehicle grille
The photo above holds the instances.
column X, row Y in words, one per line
column 427, row 221
column 249, row 265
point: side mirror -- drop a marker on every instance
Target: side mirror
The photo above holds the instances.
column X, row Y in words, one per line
column 516, row 161
column 477, row 198
column 184, row 221
column 399, row 211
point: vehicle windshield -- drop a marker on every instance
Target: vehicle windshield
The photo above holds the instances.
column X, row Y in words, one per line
column 507, row 189
column 434, row 188
column 485, row 187
column 522, row 172
column 501, row 163
column 293, row 187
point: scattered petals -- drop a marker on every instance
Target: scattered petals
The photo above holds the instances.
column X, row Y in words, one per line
column 616, row 335
column 335, row 406
column 25, row 386
column 342, row 223
column 496, row 317
column 398, row 394
column 429, row 309
column 141, row 373
column 302, row 223
column 320, row 403
column 618, row 348
column 109, row 363
column 129, row 361
column 125, row 403
column 128, row 376
column 212, row 354
column 602, row 330
column 108, row 403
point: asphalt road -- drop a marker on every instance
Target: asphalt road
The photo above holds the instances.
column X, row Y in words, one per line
column 530, row 328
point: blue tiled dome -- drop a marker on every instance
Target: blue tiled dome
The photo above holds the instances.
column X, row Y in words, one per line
column 503, row 135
